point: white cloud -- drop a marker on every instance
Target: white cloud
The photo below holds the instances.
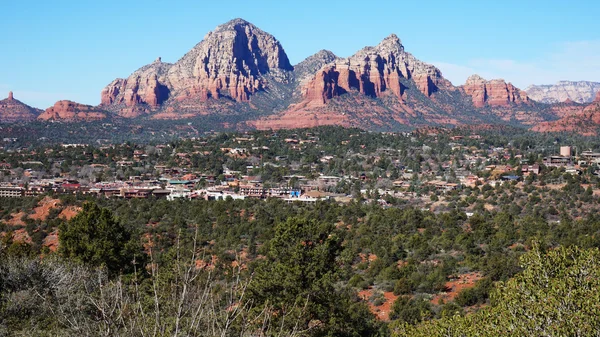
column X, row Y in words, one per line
column 575, row 61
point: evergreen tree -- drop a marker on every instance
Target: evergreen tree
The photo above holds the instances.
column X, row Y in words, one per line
column 97, row 238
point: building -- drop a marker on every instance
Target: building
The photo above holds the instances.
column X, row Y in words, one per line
column 526, row 169
column 11, row 191
column 557, row 161
column 565, row 151
column 590, row 157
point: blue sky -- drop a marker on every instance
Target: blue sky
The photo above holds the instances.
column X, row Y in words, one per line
column 65, row 49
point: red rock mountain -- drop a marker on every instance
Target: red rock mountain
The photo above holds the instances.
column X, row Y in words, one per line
column 493, row 93
column 241, row 77
column 242, row 72
column 13, row 110
column 231, row 62
column 579, row 118
column 374, row 71
column 375, row 88
column 72, row 111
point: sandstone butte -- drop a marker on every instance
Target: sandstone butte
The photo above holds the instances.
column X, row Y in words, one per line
column 13, row 110
column 71, row 111
column 373, row 71
column 493, row 93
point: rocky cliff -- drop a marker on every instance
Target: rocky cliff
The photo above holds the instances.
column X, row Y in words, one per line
column 493, row 93
column 140, row 92
column 231, row 62
column 13, row 110
column 380, row 87
column 576, row 91
column 374, row 71
column 72, row 111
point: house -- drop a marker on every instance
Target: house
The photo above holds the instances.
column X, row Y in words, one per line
column 531, row 169
column 442, row 185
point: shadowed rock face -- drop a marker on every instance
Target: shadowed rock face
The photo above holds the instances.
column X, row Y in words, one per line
column 493, row 93
column 72, row 111
column 12, row 110
column 230, row 62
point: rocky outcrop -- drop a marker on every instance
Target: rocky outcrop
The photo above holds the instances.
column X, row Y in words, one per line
column 12, row 110
column 230, row 62
column 493, row 93
column 374, row 71
column 140, row 92
column 577, row 91
column 305, row 70
column 72, row 111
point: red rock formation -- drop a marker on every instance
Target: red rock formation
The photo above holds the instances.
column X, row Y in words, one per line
column 12, row 110
column 373, row 71
column 72, row 111
column 584, row 120
column 597, row 99
column 231, row 61
column 493, row 93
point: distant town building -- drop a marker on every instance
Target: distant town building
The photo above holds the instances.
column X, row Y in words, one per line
column 565, row 151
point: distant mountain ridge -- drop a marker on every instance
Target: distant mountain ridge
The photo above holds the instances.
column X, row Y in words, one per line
column 241, row 77
column 576, row 91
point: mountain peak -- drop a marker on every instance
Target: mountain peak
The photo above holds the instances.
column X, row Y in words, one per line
column 232, row 24
column 393, row 38
column 392, row 42
column 475, row 79
column 237, row 21
column 10, row 96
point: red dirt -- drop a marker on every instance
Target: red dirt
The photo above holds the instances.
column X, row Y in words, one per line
column 69, row 212
column 42, row 211
column 51, row 241
column 16, row 219
column 21, row 235
column 370, row 258
column 382, row 312
column 455, row 286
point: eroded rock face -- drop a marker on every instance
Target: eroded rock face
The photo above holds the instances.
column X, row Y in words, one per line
column 131, row 96
column 576, row 91
column 72, row 111
column 493, row 93
column 13, row 110
column 230, row 62
column 374, row 71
